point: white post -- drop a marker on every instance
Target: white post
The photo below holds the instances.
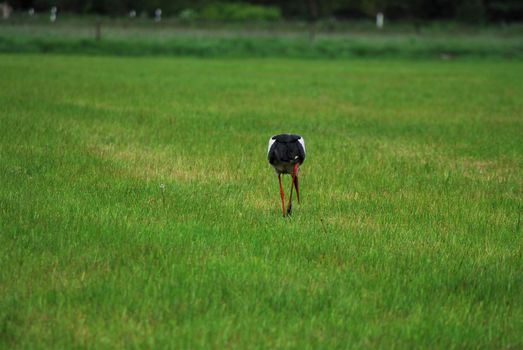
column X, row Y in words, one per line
column 6, row 10
column 54, row 11
column 158, row 15
column 379, row 20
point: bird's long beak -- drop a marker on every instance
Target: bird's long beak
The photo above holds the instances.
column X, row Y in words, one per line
column 282, row 196
column 293, row 185
column 296, row 185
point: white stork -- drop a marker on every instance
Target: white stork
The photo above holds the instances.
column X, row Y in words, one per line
column 286, row 152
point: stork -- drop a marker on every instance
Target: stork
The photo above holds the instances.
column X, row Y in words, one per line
column 286, row 152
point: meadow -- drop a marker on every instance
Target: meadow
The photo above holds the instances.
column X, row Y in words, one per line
column 137, row 207
column 331, row 39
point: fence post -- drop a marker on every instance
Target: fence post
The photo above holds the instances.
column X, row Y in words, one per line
column 379, row 20
column 98, row 30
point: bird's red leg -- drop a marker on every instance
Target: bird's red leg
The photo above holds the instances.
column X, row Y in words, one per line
column 282, row 196
column 296, row 182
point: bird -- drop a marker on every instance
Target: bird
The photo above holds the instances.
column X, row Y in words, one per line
column 286, row 152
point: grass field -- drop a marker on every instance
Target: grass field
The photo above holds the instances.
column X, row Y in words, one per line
column 137, row 208
column 352, row 39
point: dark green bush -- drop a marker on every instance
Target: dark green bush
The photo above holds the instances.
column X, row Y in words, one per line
column 239, row 12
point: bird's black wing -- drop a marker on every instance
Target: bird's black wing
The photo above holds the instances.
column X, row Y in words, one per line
column 286, row 148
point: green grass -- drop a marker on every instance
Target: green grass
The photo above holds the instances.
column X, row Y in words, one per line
column 409, row 233
column 76, row 35
column 281, row 47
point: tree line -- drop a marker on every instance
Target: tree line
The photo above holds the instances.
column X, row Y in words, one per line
column 461, row 10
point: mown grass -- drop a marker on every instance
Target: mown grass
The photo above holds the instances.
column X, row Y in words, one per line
column 282, row 47
column 137, row 208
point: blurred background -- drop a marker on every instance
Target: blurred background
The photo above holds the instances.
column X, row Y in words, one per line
column 309, row 28
column 477, row 11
